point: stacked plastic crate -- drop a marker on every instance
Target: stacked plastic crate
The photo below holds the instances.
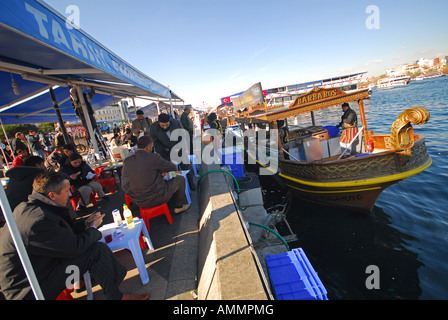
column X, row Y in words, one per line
column 293, row 277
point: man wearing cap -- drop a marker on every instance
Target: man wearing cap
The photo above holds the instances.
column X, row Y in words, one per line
column 349, row 122
column 141, row 125
column 143, row 179
column 188, row 124
column 160, row 133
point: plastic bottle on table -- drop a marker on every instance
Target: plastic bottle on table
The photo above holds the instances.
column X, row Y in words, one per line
column 117, row 218
column 127, row 213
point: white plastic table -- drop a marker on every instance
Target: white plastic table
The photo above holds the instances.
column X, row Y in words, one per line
column 129, row 239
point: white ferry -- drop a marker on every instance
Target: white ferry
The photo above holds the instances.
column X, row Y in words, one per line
column 394, row 81
column 284, row 96
column 429, row 76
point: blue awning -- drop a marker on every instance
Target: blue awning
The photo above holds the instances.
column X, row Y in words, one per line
column 40, row 109
column 36, row 43
column 150, row 110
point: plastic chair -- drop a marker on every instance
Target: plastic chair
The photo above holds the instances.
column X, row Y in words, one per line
column 149, row 213
column 74, row 199
column 194, row 164
column 108, row 182
column 67, row 293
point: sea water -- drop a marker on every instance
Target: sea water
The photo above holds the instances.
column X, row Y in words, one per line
column 406, row 236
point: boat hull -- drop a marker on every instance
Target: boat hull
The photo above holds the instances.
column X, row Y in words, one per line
column 359, row 200
column 354, row 183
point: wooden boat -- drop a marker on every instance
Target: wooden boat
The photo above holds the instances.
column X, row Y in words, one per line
column 356, row 182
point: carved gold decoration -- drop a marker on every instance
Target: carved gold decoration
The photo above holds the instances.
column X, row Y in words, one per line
column 295, row 109
column 402, row 132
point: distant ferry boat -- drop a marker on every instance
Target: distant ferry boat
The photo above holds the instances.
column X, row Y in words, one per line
column 282, row 97
column 391, row 82
column 430, row 75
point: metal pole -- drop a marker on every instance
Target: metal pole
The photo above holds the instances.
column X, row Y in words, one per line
column 171, row 106
column 363, row 122
column 6, row 136
column 89, row 125
column 133, row 102
column 20, row 247
column 58, row 114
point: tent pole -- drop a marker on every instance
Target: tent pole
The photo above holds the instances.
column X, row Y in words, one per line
column 89, row 125
column 133, row 102
column 171, row 106
column 58, row 114
column 20, row 247
column 7, row 140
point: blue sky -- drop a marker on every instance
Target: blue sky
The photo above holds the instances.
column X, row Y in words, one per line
column 208, row 49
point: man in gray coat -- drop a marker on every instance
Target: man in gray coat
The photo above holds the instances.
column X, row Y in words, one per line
column 141, row 125
column 143, row 179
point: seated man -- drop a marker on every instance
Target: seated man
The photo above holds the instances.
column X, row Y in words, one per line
column 129, row 138
column 143, row 180
column 67, row 150
column 52, row 161
column 22, row 154
column 117, row 148
column 21, row 178
column 53, row 242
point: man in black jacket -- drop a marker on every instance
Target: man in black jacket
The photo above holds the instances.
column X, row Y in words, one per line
column 21, row 178
column 55, row 242
column 17, row 143
column 160, row 133
column 349, row 122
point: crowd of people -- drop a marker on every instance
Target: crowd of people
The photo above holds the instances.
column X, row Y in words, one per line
column 40, row 185
column 33, row 144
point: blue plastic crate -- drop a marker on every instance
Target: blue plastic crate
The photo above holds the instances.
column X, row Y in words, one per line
column 293, row 277
column 235, row 161
column 333, row 131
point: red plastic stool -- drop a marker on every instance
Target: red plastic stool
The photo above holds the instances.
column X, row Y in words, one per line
column 127, row 200
column 108, row 182
column 149, row 213
column 65, row 295
column 75, row 199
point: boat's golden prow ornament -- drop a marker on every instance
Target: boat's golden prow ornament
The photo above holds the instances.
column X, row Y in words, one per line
column 402, row 133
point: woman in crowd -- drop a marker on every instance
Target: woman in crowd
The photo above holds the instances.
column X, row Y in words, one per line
column 81, row 176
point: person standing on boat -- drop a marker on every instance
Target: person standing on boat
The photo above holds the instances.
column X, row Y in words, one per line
column 349, row 122
column 284, row 137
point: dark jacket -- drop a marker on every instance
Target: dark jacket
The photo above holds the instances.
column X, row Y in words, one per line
column 162, row 143
column 132, row 140
column 17, row 144
column 187, row 123
column 52, row 161
column 348, row 119
column 142, row 179
column 81, row 180
column 50, row 236
column 20, row 184
column 144, row 124
column 34, row 143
